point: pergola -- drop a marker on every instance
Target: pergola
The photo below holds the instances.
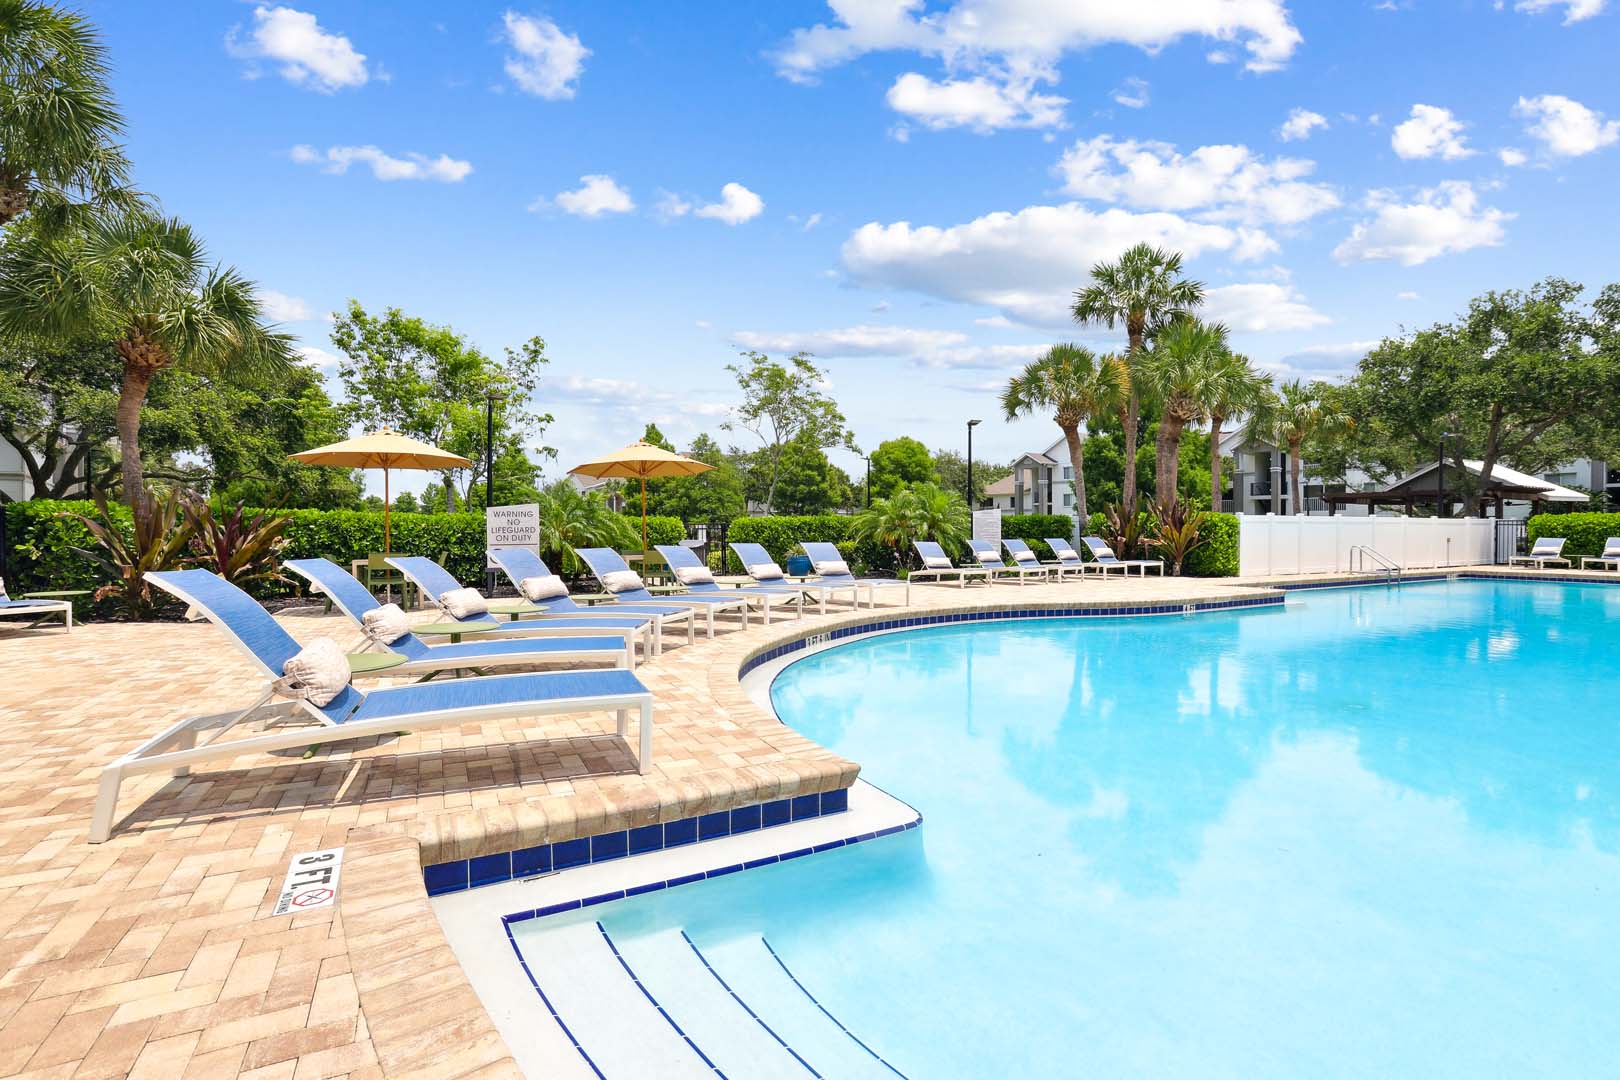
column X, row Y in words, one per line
column 1423, row 488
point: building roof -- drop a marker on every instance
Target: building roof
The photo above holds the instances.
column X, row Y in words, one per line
column 1004, row 486
column 1502, row 477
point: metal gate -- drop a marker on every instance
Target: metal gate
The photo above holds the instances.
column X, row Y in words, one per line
column 1510, row 537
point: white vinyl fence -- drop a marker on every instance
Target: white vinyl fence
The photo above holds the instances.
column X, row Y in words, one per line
column 1282, row 544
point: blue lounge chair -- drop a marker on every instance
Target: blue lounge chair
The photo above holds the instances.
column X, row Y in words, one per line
column 763, row 569
column 352, row 714
column 1104, row 559
column 603, row 561
column 991, row 559
column 616, row 648
column 1547, row 550
column 520, row 563
column 38, row 609
column 433, row 581
column 768, row 596
column 1609, row 558
column 1024, row 555
column 1066, row 556
column 937, row 566
column 823, row 553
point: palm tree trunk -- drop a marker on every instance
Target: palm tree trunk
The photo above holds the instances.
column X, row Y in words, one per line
column 1168, row 446
column 1293, row 477
column 1077, row 458
column 131, row 396
column 1215, row 422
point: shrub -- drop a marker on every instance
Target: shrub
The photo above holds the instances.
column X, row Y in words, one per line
column 42, row 537
column 158, row 540
column 1583, row 532
column 345, row 535
column 662, row 530
column 780, row 534
column 1035, row 528
column 1217, row 555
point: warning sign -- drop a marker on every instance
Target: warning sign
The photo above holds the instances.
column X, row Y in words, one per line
column 312, row 881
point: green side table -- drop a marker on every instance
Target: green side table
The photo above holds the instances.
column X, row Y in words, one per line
column 453, row 630
column 516, row 609
column 369, row 663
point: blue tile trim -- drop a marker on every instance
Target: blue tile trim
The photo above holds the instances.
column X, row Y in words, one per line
column 789, row 973
column 442, row 878
column 550, row 1008
column 748, row 1009
column 628, row 970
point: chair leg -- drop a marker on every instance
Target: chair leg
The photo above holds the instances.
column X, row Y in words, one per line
column 645, row 757
column 101, row 817
column 623, row 718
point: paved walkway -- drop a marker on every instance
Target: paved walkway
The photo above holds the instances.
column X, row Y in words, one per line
column 154, row 955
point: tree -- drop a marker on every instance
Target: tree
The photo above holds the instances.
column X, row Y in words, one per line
column 428, row 382
column 1142, row 290
column 569, row 520
column 144, row 283
column 1289, row 417
column 59, row 124
column 711, row 497
column 56, row 406
column 1180, row 370
column 1236, row 387
column 951, row 468
column 1075, row 386
column 784, row 404
column 898, row 463
column 921, row 512
column 804, row 479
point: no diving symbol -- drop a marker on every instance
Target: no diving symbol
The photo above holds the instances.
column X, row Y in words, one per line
column 312, row 898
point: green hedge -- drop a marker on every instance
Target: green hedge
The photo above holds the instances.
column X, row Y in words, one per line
column 345, row 535
column 781, row 534
column 1217, row 556
column 1035, row 528
column 41, row 542
column 1584, row 533
column 660, row 530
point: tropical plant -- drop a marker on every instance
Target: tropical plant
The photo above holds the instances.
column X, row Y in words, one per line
column 571, row 519
column 58, row 120
column 1297, row 412
column 144, row 282
column 240, row 547
column 158, row 540
column 1142, row 290
column 920, row 512
column 1235, row 388
column 1176, row 531
column 1075, row 386
column 1126, row 533
column 1180, row 371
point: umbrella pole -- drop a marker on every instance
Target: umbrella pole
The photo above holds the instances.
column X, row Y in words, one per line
column 388, row 548
column 644, row 519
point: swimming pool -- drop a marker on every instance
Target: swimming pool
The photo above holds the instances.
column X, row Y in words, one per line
column 1373, row 832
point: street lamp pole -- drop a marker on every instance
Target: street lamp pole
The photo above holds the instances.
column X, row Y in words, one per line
column 489, row 447
column 971, row 424
column 868, row 459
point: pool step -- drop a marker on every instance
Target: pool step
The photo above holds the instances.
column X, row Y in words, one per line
column 755, row 974
column 738, row 1042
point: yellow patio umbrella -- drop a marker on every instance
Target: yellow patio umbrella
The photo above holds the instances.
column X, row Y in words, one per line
column 640, row 461
column 386, row 449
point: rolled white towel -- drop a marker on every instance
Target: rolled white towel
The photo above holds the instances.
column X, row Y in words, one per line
column 937, row 562
column 694, row 575
column 464, row 603
column 765, row 571
column 542, row 587
column 618, row 581
column 317, row 673
column 385, row 624
column 832, row 568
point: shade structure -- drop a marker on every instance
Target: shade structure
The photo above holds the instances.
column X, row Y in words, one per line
column 385, row 449
column 641, row 460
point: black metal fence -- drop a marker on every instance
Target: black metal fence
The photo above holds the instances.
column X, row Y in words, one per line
column 709, row 541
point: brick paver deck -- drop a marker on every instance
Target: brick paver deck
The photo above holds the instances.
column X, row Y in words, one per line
column 154, row 955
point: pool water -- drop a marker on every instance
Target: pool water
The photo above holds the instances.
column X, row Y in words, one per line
column 1375, row 832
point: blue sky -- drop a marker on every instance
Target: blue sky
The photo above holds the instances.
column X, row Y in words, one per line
column 910, row 191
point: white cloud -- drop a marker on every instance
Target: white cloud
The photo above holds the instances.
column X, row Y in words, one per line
column 1574, row 10
column 1034, row 34
column 671, row 205
column 852, row 341
column 1133, row 93
column 1300, row 124
column 319, row 358
column 998, row 322
column 279, row 307
column 306, row 54
column 1430, row 132
column 1444, row 220
column 1321, row 361
column 1226, row 182
column 737, row 204
column 1566, row 127
column 1511, row 156
column 1258, row 307
column 1408, row 295
column 596, row 195
column 981, row 357
column 545, row 60
column 1025, row 263
column 626, row 401
column 982, row 104
column 812, row 221
column 413, row 166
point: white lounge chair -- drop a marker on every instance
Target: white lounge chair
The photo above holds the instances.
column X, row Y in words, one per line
column 991, row 559
column 1024, row 555
column 38, row 610
column 764, row 570
column 691, row 572
column 1547, row 550
column 604, row 561
column 1066, row 556
column 937, row 566
column 1609, row 558
column 1103, row 557
column 579, row 641
column 827, row 559
column 352, row 714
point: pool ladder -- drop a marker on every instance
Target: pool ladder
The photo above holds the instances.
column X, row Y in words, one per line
column 1371, row 560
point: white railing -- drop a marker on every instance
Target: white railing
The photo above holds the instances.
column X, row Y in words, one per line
column 1283, row 544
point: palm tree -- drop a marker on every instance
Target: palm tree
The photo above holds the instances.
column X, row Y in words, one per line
column 920, row 512
column 58, row 119
column 1075, row 386
column 1236, row 388
column 1141, row 290
column 144, row 283
column 570, row 519
column 1292, row 417
column 1180, row 371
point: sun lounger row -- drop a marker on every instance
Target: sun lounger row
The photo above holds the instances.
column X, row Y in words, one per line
column 1021, row 563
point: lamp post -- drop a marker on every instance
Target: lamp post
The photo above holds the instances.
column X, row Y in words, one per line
column 868, row 459
column 1440, row 494
column 1276, row 483
column 490, row 398
column 971, row 424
